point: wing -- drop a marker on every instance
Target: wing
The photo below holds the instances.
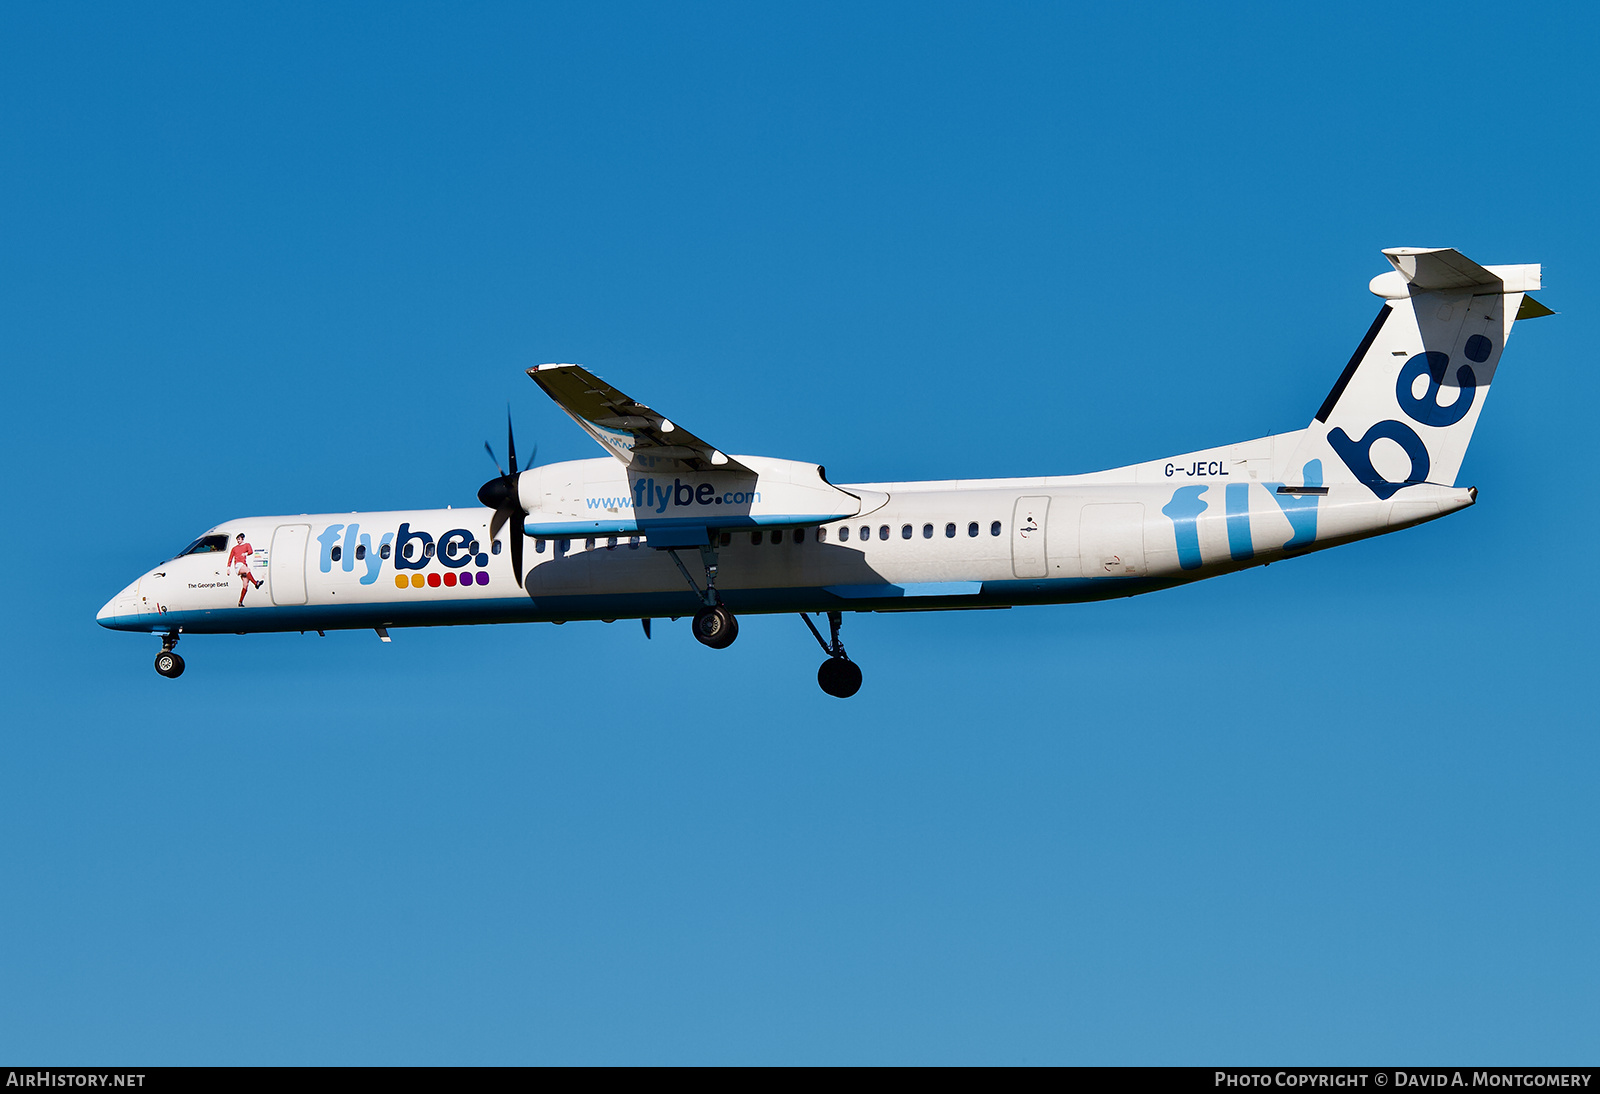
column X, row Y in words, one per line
column 630, row 431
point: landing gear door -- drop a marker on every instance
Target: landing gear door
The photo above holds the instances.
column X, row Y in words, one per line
column 286, row 564
column 1027, row 537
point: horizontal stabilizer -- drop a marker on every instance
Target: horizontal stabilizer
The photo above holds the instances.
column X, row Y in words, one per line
column 1444, row 269
column 1532, row 309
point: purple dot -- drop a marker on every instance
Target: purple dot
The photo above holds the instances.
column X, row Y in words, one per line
column 483, row 577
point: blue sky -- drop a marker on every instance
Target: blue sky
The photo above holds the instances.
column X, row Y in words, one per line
column 1336, row 811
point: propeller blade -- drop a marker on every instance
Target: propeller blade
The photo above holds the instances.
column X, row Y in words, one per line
column 646, row 623
column 511, row 441
column 494, row 461
column 516, row 548
column 501, row 515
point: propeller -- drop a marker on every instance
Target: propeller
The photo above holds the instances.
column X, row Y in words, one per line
column 501, row 495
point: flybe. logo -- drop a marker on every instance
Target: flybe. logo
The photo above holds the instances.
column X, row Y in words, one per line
column 346, row 546
column 1423, row 409
column 650, row 495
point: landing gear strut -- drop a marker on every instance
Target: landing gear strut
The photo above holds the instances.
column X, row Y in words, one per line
column 839, row 676
column 168, row 663
column 714, row 625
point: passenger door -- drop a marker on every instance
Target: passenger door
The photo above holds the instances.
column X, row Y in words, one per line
column 1027, row 537
column 286, row 564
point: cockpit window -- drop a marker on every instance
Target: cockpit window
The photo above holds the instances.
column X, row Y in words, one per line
column 204, row 544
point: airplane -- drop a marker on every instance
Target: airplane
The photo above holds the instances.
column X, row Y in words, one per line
column 666, row 525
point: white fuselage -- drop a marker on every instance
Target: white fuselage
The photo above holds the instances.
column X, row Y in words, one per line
column 904, row 546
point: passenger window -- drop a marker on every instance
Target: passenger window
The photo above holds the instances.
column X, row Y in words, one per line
column 844, row 534
column 994, row 529
column 927, row 531
column 361, row 551
column 950, row 530
column 755, row 539
column 383, row 551
column 822, row 535
column 883, row 531
column 428, row 550
column 337, row 553
column 410, row 552
column 905, row 531
column 633, row 542
column 472, row 548
column 800, row 535
column 866, row 533
column 972, row 529
column 777, row 535
column 538, row 546
column 611, row 541
column 495, row 549
column 727, row 538
column 563, row 545
column 588, row 544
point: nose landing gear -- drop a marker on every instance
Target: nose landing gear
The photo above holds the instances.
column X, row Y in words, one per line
column 839, row 676
column 168, row 663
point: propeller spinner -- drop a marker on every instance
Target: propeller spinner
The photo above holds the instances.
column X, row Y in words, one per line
column 501, row 495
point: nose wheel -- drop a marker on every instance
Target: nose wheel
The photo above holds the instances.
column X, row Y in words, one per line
column 168, row 663
column 839, row 676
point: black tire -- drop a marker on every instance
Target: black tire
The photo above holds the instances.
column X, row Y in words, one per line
column 169, row 664
column 839, row 677
column 715, row 627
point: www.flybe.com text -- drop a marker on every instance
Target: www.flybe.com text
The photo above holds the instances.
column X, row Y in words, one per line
column 648, row 494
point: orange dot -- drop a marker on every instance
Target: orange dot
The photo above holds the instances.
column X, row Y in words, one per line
column 450, row 578
column 416, row 581
column 400, row 581
column 433, row 579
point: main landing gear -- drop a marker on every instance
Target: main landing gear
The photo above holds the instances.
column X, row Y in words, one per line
column 839, row 676
column 714, row 625
column 168, row 663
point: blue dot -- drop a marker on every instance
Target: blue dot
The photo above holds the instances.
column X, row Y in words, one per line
column 481, row 560
column 1478, row 348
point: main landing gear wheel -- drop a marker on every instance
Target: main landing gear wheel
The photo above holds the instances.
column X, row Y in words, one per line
column 715, row 626
column 839, row 677
column 169, row 664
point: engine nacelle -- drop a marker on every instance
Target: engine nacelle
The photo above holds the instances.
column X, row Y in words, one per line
column 601, row 496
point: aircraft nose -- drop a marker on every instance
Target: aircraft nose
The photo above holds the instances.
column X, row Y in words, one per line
column 121, row 611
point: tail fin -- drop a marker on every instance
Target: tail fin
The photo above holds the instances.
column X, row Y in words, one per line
column 1405, row 406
